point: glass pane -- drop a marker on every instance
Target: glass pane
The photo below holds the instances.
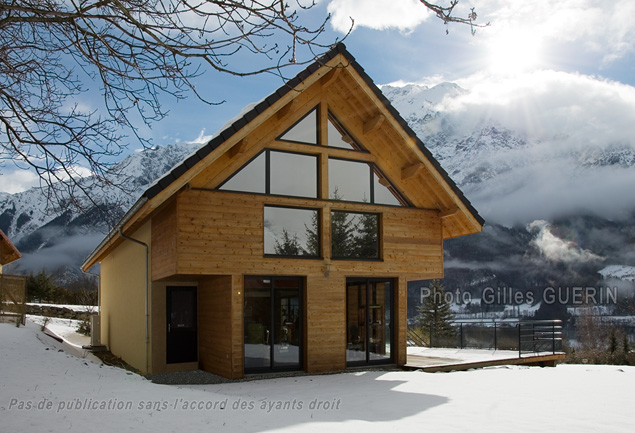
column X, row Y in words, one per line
column 291, row 232
column 338, row 137
column 354, row 235
column 257, row 323
column 286, row 344
column 356, row 323
column 305, row 131
column 293, row 174
column 182, row 309
column 383, row 195
column 379, row 333
column 251, row 178
column 349, row 180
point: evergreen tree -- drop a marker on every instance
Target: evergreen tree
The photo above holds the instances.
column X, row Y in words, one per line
column 366, row 236
column 435, row 315
column 289, row 245
column 342, row 231
column 41, row 288
column 313, row 236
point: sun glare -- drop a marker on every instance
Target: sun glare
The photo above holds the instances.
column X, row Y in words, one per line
column 514, row 51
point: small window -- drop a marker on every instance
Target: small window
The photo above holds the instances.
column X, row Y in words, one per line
column 354, row 235
column 292, row 232
column 304, row 131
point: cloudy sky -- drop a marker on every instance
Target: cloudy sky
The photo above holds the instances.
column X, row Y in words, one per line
column 572, row 60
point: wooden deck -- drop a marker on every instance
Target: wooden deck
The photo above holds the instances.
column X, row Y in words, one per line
column 444, row 360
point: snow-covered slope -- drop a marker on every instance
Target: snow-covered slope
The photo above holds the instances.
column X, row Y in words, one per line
column 44, row 390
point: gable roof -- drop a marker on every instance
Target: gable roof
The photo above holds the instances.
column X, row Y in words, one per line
column 8, row 252
column 172, row 181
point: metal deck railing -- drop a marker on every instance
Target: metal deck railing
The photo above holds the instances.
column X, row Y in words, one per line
column 524, row 336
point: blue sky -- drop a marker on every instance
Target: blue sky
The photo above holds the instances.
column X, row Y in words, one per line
column 572, row 47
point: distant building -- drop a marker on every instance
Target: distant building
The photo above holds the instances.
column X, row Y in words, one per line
column 286, row 242
column 8, row 252
column 12, row 287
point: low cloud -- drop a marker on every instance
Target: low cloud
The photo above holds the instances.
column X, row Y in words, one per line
column 557, row 249
column 579, row 150
column 70, row 250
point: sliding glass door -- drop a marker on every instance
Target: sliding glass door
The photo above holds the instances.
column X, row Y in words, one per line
column 369, row 320
column 273, row 323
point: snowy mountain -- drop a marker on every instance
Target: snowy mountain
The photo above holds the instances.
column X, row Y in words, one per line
column 557, row 199
column 60, row 239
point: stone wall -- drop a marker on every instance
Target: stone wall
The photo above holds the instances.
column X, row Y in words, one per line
column 61, row 312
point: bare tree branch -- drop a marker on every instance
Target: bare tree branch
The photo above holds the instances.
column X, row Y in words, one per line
column 445, row 14
column 134, row 53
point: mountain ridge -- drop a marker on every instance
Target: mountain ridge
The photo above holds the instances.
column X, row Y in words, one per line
column 505, row 172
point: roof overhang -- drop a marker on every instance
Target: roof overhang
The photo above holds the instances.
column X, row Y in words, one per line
column 8, row 252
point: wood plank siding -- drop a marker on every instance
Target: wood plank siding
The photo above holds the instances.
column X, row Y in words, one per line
column 221, row 233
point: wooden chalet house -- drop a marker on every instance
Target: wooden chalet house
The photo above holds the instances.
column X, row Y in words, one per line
column 286, row 242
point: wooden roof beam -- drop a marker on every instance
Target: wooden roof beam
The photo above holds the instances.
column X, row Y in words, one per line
column 373, row 124
column 411, row 170
column 449, row 212
column 291, row 106
column 330, row 78
column 239, row 147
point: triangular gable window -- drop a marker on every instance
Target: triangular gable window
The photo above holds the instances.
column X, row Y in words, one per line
column 304, row 131
column 250, row 178
column 339, row 137
column 384, row 192
column 362, row 182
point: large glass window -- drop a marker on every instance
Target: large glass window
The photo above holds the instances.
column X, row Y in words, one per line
column 354, row 235
column 293, row 174
column 276, row 172
column 349, row 180
column 359, row 181
column 292, row 232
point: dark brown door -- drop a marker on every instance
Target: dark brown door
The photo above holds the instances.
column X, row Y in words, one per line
column 182, row 335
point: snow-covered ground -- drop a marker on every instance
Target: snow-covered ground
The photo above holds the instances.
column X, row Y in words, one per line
column 443, row 356
column 44, row 389
column 81, row 308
